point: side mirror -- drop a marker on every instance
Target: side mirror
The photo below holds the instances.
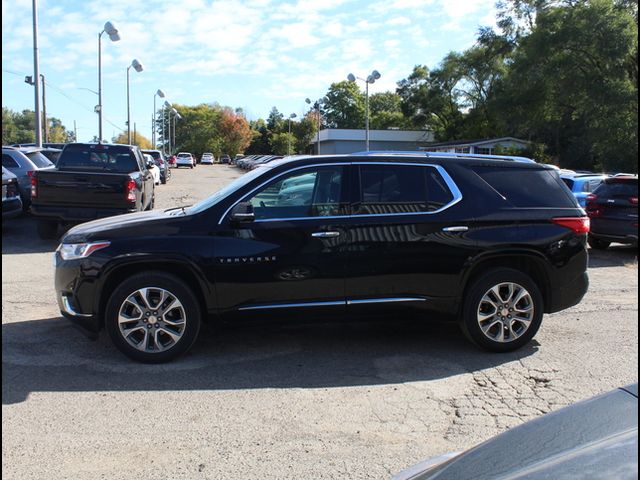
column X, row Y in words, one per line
column 150, row 163
column 242, row 213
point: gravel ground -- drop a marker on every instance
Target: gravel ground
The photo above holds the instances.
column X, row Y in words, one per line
column 336, row 400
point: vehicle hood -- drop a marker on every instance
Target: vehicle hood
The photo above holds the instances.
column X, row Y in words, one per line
column 105, row 227
column 596, row 438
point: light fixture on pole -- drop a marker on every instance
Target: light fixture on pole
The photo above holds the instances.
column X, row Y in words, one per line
column 160, row 94
column 316, row 106
column 137, row 66
column 112, row 31
column 293, row 115
column 375, row 75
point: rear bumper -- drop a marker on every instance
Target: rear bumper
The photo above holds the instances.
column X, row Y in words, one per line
column 11, row 207
column 568, row 295
column 77, row 214
column 628, row 239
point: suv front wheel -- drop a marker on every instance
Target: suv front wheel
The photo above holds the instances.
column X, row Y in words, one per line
column 502, row 310
column 153, row 317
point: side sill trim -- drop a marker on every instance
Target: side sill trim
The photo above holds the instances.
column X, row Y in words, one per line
column 333, row 304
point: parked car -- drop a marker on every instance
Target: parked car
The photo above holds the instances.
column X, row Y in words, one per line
column 162, row 163
column 172, row 161
column 582, row 185
column 613, row 210
column 53, row 154
column 207, row 159
column 23, row 162
column 595, row 438
column 185, row 159
column 152, row 167
column 225, row 159
column 491, row 243
column 91, row 180
column 11, row 202
column 57, row 145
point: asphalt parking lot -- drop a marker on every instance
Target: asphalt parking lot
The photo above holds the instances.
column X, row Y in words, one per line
column 331, row 400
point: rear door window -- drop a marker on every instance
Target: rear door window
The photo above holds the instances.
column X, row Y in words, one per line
column 528, row 187
column 8, row 162
column 400, row 189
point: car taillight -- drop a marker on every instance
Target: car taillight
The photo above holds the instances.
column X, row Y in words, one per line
column 634, row 200
column 34, row 185
column 130, row 190
column 579, row 225
column 30, row 173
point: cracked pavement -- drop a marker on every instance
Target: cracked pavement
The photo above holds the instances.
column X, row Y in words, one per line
column 338, row 399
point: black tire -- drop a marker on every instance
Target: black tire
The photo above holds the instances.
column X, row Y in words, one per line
column 597, row 243
column 189, row 311
column 47, row 229
column 163, row 180
column 475, row 301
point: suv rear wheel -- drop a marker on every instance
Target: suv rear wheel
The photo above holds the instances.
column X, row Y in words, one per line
column 502, row 310
column 153, row 317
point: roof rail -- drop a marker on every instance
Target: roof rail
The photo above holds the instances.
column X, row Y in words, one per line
column 478, row 156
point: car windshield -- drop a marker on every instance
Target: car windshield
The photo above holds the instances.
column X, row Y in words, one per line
column 237, row 184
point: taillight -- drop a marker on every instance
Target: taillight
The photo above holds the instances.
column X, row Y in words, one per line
column 591, row 198
column 634, row 200
column 130, row 190
column 579, row 225
column 34, row 185
column 30, row 173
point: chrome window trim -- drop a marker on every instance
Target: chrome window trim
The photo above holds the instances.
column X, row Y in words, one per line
column 453, row 188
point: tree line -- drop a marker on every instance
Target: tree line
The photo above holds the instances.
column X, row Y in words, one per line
column 561, row 74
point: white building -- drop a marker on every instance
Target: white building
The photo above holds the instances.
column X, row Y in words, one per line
column 482, row 147
column 338, row 140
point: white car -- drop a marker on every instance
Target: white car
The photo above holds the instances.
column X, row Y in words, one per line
column 153, row 168
column 207, row 159
column 185, row 159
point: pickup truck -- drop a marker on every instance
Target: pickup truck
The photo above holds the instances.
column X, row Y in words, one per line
column 90, row 181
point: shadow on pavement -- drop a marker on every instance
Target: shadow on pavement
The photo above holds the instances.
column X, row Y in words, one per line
column 19, row 235
column 614, row 256
column 50, row 355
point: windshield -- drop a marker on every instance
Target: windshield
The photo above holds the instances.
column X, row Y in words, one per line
column 237, row 184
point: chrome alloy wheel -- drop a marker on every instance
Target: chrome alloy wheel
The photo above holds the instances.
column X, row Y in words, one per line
column 152, row 319
column 505, row 312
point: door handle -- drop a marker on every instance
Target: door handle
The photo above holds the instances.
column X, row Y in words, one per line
column 457, row 228
column 325, row 234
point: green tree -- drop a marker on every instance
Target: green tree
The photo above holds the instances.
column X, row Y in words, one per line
column 283, row 143
column 385, row 111
column 137, row 139
column 345, row 106
column 259, row 138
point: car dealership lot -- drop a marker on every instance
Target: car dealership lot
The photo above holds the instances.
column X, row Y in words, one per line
column 321, row 400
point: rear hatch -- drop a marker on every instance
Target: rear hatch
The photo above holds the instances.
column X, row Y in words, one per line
column 613, row 207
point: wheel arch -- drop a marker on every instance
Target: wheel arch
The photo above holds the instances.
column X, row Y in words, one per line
column 184, row 271
column 527, row 262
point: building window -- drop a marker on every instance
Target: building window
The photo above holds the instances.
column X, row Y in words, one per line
column 484, row 151
column 463, row 149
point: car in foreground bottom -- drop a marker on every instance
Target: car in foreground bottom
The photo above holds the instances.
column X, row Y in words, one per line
column 491, row 243
column 595, row 438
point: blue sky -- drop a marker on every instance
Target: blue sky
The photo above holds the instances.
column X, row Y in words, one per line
column 253, row 54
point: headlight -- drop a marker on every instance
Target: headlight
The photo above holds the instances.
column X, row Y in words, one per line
column 73, row 251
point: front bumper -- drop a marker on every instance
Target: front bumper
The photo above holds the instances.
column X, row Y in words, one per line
column 75, row 294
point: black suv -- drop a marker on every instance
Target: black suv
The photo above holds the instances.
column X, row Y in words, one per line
column 613, row 209
column 492, row 242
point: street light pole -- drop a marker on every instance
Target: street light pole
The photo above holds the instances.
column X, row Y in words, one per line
column 138, row 68
column 160, row 94
column 112, row 31
column 375, row 75
column 293, row 115
column 36, row 75
column 316, row 106
column 164, row 137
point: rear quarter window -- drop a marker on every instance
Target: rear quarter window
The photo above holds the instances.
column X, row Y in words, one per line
column 39, row 160
column 528, row 187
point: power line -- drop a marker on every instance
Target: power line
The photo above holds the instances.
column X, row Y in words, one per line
column 61, row 92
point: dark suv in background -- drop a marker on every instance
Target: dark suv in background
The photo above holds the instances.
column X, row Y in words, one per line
column 613, row 209
column 492, row 242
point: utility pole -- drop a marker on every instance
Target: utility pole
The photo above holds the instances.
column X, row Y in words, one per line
column 135, row 133
column 36, row 74
column 44, row 111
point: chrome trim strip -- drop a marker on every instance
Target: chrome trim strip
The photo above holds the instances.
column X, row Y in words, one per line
column 325, row 234
column 455, row 191
column 293, row 305
column 385, row 300
column 458, row 228
column 68, row 309
column 334, row 303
